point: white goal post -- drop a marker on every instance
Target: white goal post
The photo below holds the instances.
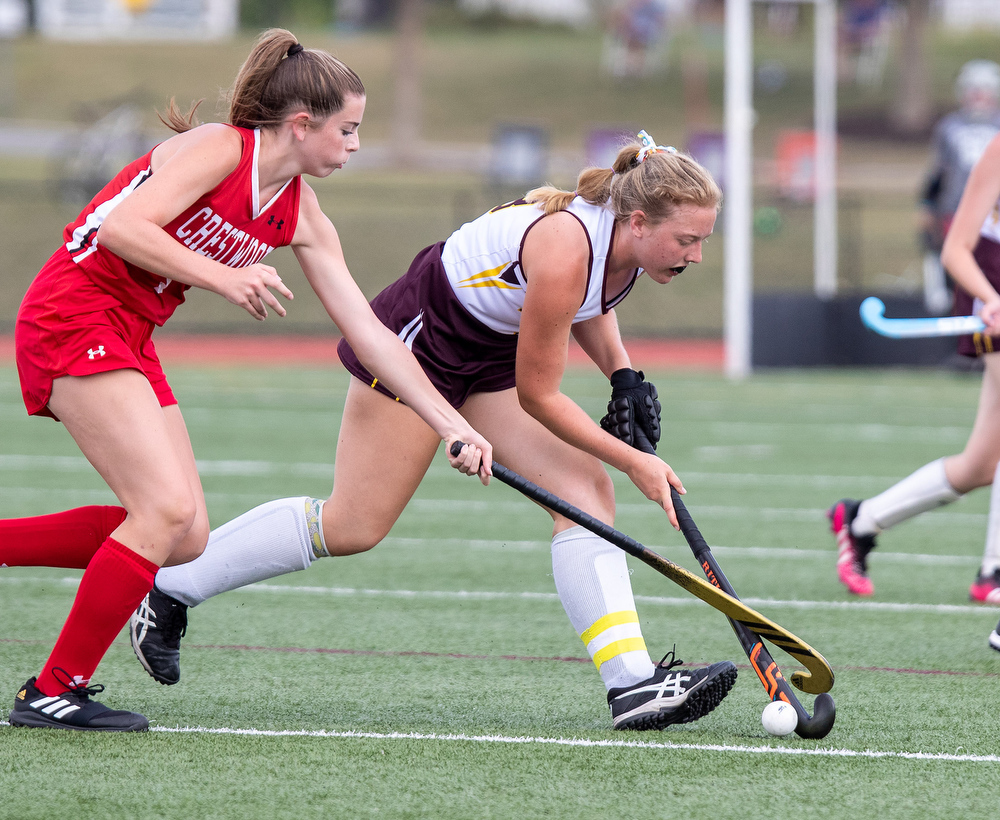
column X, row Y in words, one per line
column 738, row 212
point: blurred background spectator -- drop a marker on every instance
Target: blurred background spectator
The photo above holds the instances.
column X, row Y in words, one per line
column 637, row 37
column 958, row 142
column 866, row 28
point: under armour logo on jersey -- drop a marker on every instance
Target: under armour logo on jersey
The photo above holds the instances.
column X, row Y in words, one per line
column 96, row 354
column 270, row 221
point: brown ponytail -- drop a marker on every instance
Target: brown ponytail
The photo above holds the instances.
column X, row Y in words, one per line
column 278, row 75
column 176, row 121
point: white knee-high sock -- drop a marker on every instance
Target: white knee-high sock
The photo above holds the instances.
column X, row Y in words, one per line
column 991, row 556
column 919, row 492
column 273, row 539
column 593, row 583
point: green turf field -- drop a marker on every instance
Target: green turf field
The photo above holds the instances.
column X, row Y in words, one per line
column 437, row 676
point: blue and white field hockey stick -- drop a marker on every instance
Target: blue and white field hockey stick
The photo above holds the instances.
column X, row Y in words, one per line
column 872, row 314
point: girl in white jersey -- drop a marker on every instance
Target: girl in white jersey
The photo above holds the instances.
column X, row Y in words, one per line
column 489, row 315
column 200, row 210
column 971, row 253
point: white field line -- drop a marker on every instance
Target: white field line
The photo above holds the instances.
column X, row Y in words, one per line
column 687, row 600
column 946, row 757
column 512, row 506
column 229, row 467
column 627, row 511
column 252, row 468
column 550, row 597
column 584, row 743
column 782, row 553
column 244, row 468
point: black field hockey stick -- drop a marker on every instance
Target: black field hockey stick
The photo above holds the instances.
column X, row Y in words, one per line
column 818, row 678
column 824, row 710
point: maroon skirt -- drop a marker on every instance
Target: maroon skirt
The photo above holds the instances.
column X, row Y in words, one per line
column 987, row 256
column 459, row 354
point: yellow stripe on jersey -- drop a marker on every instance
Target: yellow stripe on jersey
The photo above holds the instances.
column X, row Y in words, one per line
column 487, row 279
column 492, row 283
column 612, row 619
column 613, row 650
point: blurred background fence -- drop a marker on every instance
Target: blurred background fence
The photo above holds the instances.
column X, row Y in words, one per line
column 496, row 98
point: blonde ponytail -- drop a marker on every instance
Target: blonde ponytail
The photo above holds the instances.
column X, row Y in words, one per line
column 661, row 182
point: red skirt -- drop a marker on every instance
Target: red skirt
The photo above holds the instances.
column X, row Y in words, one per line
column 67, row 326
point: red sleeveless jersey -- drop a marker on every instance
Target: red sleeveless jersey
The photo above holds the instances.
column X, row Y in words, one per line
column 228, row 224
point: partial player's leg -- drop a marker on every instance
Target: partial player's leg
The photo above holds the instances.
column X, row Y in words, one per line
column 383, row 451
column 144, row 454
column 592, row 576
column 119, row 425
column 977, row 466
column 855, row 524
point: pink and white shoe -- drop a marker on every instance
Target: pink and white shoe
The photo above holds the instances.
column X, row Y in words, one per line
column 986, row 589
column 852, row 550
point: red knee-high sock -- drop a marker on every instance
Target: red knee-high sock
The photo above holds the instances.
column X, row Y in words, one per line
column 66, row 539
column 112, row 587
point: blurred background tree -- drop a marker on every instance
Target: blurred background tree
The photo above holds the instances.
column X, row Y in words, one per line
column 913, row 109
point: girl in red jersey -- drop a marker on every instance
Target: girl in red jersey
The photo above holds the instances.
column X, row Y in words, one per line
column 201, row 209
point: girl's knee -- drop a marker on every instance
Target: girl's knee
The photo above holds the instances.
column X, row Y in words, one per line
column 194, row 542
column 599, row 486
column 178, row 523
column 353, row 541
column 604, row 487
column 593, row 491
column 348, row 532
column 970, row 470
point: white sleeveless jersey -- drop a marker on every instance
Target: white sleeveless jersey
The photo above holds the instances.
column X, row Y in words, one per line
column 482, row 260
column 991, row 227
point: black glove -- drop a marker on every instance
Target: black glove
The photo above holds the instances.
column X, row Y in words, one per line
column 634, row 410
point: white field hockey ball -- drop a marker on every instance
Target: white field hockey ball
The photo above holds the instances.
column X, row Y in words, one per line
column 779, row 718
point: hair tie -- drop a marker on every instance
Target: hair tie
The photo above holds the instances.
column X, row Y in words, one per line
column 295, row 49
column 649, row 146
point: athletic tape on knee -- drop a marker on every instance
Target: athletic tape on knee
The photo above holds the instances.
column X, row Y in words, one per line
column 314, row 524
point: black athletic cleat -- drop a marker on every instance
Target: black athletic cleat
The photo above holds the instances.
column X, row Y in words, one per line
column 73, row 709
column 995, row 638
column 672, row 695
column 156, row 628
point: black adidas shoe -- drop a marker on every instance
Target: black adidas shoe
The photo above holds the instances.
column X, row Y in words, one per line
column 156, row 628
column 672, row 695
column 73, row 709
